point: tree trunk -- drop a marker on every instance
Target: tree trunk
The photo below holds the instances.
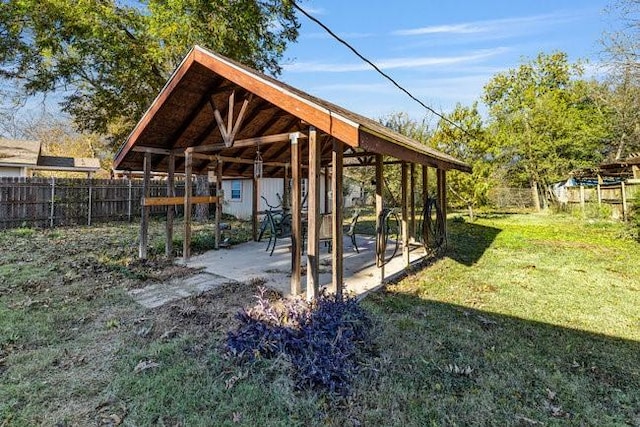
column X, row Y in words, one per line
column 536, row 195
column 202, row 189
column 470, row 207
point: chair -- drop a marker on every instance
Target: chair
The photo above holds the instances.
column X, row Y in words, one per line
column 349, row 230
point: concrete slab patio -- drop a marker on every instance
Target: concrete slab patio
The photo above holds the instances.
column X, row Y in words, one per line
column 250, row 260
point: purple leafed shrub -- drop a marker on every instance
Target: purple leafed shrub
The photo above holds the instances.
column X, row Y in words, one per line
column 323, row 340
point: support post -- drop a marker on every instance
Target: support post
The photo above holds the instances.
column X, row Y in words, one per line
column 582, row 198
column 296, row 217
column 285, row 189
column 188, row 183
column 337, row 204
column 171, row 192
column 313, row 226
column 412, row 200
column 327, row 185
column 254, row 209
column 599, row 190
column 218, row 216
column 144, row 220
column 405, row 216
column 425, row 197
column 380, row 243
column 442, row 199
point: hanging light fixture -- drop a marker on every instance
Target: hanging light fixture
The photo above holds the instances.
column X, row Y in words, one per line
column 257, row 164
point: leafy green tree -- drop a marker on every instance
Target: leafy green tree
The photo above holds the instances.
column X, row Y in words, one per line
column 110, row 57
column 545, row 121
column 467, row 141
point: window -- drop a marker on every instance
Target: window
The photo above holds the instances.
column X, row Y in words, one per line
column 236, row 190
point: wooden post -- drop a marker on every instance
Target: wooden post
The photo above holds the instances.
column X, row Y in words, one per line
column 171, row 192
column 442, row 198
column 52, row 212
column 296, row 217
column 144, row 220
column 405, row 223
column 313, row 226
column 380, row 243
column 425, row 197
column 285, row 189
column 327, row 185
column 90, row 203
column 624, row 201
column 130, row 201
column 412, row 200
column 337, row 204
column 582, row 199
column 188, row 183
column 218, row 216
column 599, row 190
column 254, row 209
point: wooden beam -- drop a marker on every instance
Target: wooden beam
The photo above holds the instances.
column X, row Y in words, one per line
column 248, row 161
column 296, row 217
column 337, row 205
column 380, row 243
column 172, row 201
column 248, row 142
column 151, row 150
column 405, row 215
column 144, row 220
column 188, row 183
column 313, row 226
column 171, row 192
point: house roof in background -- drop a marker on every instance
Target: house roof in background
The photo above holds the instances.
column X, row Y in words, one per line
column 26, row 153
column 19, row 152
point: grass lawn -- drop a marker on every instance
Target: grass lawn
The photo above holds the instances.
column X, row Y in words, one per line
column 527, row 320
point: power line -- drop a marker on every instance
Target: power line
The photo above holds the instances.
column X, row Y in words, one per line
column 382, row 73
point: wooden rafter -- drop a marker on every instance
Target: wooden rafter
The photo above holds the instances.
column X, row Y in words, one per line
column 231, row 128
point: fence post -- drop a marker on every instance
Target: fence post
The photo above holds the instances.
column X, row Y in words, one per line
column 624, row 201
column 599, row 195
column 53, row 197
column 90, row 202
column 582, row 198
column 129, row 202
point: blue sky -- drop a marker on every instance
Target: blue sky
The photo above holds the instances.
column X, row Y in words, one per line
column 443, row 52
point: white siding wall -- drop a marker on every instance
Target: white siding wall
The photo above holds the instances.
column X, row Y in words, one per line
column 12, row 171
column 270, row 188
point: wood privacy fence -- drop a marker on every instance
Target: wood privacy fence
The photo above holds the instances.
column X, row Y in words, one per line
column 51, row 202
column 619, row 197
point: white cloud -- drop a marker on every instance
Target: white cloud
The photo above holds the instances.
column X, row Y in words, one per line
column 347, row 36
column 518, row 25
column 393, row 63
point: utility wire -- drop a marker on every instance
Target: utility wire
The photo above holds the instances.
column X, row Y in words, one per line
column 382, row 73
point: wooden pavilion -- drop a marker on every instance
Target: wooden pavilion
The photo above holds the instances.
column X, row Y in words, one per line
column 215, row 113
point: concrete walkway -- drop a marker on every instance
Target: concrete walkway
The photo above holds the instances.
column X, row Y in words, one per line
column 158, row 294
